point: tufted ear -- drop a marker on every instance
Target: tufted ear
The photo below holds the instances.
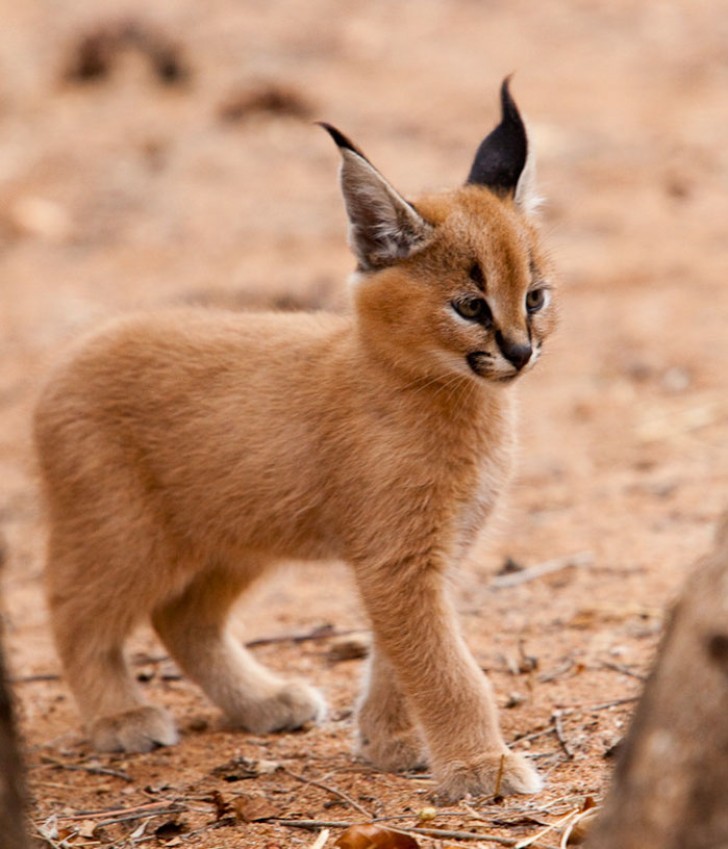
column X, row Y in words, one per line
column 383, row 226
column 503, row 163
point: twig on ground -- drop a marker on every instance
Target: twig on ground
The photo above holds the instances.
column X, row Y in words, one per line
column 444, row 834
column 440, row 815
column 558, row 726
column 46, row 838
column 625, row 670
column 440, row 833
column 569, row 711
column 333, row 790
column 56, row 785
column 149, row 810
column 544, row 732
column 540, row 570
column 553, row 674
column 413, row 775
column 605, row 705
column 128, row 816
column 497, row 821
column 322, row 632
column 311, row 824
column 533, row 841
column 94, row 770
column 499, row 777
column 320, row 841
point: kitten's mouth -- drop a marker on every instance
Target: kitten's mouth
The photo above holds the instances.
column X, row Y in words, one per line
column 481, row 363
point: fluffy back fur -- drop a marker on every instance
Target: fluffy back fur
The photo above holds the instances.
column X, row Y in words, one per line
column 185, row 452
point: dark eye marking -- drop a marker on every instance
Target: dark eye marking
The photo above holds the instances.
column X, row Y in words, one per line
column 476, row 275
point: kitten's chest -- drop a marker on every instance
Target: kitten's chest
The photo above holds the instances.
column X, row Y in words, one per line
column 476, row 507
column 487, row 476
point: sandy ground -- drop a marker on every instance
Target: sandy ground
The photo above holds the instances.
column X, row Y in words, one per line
column 191, row 172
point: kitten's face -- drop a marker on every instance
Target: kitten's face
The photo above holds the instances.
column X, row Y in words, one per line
column 478, row 300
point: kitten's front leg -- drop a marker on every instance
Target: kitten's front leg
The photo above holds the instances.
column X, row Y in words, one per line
column 387, row 734
column 416, row 627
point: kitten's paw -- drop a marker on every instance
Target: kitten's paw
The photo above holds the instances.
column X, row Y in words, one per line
column 505, row 773
column 393, row 753
column 293, row 705
column 138, row 730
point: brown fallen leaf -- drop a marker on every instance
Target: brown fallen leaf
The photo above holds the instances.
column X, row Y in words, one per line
column 87, row 830
column 370, row 836
column 240, row 769
column 251, row 808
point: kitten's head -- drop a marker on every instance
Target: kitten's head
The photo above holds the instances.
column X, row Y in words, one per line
column 455, row 282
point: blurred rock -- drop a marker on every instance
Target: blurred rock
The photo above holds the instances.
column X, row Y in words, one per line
column 95, row 54
column 265, row 98
column 39, row 217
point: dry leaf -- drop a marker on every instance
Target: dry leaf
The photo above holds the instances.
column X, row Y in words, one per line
column 86, row 829
column 370, row 836
column 239, row 769
column 254, row 809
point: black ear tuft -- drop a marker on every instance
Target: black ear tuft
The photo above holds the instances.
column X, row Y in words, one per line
column 342, row 141
column 502, row 155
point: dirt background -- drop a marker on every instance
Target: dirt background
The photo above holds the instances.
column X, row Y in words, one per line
column 190, row 171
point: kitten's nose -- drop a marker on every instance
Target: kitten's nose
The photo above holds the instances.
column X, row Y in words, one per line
column 516, row 353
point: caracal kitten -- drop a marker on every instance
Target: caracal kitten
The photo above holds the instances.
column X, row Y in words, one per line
column 185, row 452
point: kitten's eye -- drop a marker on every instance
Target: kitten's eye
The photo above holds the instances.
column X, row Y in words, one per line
column 474, row 309
column 536, row 300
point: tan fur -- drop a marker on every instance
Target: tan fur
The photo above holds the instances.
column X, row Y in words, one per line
column 184, row 453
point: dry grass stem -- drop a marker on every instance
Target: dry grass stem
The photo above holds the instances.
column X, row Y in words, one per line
column 333, row 790
column 540, row 570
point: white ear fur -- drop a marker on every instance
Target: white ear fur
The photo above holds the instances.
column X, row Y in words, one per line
column 383, row 226
column 526, row 196
column 504, row 160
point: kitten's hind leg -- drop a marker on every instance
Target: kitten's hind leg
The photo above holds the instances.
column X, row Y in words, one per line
column 387, row 734
column 193, row 628
column 91, row 619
